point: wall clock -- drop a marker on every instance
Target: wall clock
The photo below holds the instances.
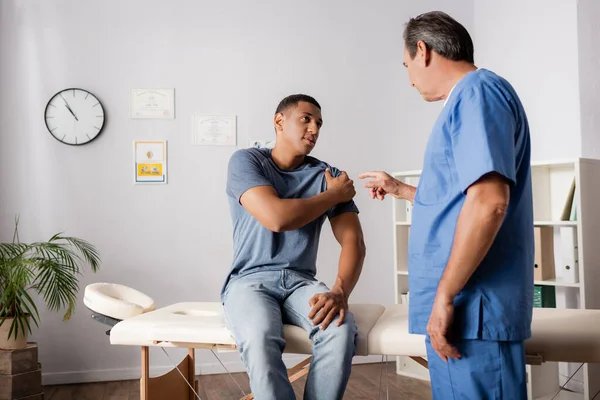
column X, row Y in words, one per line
column 74, row 116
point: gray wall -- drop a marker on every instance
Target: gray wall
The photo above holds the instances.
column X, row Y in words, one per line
column 174, row 242
column 588, row 12
column 534, row 45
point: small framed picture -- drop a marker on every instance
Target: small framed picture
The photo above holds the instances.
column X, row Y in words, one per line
column 214, row 130
column 152, row 103
column 150, row 162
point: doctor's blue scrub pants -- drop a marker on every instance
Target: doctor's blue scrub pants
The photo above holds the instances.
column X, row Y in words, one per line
column 486, row 370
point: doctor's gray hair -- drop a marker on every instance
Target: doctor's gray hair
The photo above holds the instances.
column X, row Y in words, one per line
column 440, row 33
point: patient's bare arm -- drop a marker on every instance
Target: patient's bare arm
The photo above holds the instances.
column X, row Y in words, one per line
column 348, row 232
column 279, row 215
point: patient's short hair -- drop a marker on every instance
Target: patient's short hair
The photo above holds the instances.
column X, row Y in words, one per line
column 292, row 101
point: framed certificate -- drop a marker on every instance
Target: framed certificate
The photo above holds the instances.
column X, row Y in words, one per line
column 150, row 161
column 152, row 103
column 218, row 130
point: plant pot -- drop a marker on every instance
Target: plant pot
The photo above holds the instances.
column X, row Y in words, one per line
column 11, row 343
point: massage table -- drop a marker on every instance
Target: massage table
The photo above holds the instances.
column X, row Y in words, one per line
column 557, row 335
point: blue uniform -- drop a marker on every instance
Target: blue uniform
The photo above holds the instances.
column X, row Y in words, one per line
column 482, row 128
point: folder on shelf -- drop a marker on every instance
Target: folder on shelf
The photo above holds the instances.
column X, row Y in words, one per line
column 404, row 298
column 408, row 210
column 412, row 181
column 544, row 296
column 573, row 216
column 568, row 268
column 566, row 214
column 544, row 253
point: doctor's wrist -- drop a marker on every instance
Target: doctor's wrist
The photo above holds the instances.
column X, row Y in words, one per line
column 444, row 297
column 406, row 192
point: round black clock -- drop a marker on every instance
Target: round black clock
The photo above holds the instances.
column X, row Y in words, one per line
column 74, row 116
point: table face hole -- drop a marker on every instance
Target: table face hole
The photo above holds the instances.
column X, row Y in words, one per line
column 197, row 313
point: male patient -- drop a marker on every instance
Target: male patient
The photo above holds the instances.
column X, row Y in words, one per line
column 279, row 200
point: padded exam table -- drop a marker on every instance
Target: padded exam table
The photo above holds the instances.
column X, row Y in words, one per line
column 568, row 335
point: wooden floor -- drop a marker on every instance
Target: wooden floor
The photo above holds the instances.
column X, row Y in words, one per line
column 363, row 385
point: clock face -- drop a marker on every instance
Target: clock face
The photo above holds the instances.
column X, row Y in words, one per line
column 74, row 116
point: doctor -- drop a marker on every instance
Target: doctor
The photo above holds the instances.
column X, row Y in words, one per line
column 471, row 243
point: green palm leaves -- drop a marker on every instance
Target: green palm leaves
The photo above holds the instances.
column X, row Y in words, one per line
column 49, row 268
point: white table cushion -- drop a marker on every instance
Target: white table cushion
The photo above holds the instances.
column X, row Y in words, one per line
column 390, row 336
column 557, row 334
column 204, row 323
column 190, row 322
column 365, row 316
column 116, row 301
column 569, row 335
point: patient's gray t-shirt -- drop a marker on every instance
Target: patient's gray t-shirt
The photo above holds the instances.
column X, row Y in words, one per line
column 256, row 248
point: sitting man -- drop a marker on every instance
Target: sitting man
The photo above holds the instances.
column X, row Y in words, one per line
column 279, row 200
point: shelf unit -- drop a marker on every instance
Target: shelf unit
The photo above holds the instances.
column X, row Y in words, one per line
column 574, row 242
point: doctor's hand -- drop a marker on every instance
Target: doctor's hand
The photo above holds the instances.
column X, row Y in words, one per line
column 438, row 328
column 325, row 307
column 382, row 184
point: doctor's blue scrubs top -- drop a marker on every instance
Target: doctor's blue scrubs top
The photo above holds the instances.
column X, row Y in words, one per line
column 482, row 128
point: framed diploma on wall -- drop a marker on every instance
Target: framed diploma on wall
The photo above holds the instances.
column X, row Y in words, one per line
column 152, row 103
column 215, row 130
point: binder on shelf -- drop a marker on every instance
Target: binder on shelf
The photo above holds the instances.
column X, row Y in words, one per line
column 544, row 296
column 573, row 216
column 408, row 210
column 568, row 268
column 404, row 298
column 544, row 253
column 412, row 181
column 566, row 214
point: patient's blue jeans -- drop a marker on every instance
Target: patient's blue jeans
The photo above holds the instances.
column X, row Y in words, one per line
column 256, row 307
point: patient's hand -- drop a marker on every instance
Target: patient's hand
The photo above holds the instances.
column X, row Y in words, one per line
column 342, row 186
column 325, row 307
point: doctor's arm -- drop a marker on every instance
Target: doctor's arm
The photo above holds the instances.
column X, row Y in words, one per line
column 478, row 223
column 348, row 232
column 383, row 183
column 278, row 215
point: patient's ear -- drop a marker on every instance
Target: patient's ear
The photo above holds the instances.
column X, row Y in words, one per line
column 278, row 121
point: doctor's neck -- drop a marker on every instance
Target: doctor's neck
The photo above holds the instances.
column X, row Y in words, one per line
column 450, row 73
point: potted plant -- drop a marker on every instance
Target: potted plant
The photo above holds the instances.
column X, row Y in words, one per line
column 49, row 268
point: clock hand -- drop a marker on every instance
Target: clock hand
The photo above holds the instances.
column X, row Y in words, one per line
column 69, row 108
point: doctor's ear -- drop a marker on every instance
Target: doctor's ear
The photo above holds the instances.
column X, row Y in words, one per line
column 423, row 55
